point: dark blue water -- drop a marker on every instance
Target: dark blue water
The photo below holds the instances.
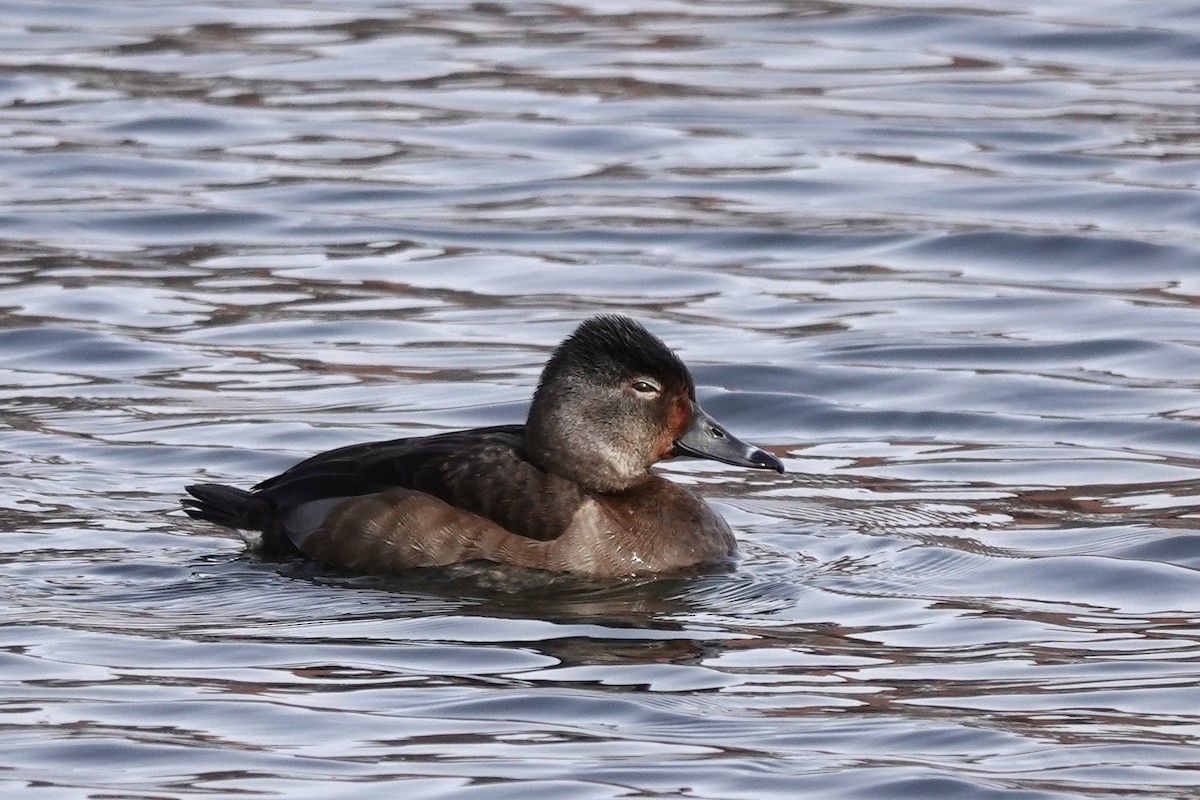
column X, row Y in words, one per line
column 943, row 258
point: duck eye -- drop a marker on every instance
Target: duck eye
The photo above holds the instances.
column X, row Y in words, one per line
column 644, row 387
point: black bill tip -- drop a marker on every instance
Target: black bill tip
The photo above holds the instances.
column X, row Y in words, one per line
column 765, row 460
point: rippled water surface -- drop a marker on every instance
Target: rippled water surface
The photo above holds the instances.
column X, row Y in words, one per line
column 944, row 258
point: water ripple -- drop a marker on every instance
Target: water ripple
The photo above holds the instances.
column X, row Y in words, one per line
column 940, row 260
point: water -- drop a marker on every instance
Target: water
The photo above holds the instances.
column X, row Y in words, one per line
column 941, row 257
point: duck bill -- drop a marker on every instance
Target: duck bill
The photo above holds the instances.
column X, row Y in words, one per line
column 706, row 438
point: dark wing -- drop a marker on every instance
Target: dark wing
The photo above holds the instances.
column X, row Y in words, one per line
column 375, row 466
column 483, row 471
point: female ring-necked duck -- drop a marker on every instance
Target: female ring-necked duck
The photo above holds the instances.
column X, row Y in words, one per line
column 570, row 490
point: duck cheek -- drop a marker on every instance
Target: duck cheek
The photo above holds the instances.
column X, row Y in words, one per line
column 677, row 419
column 664, row 448
column 659, row 439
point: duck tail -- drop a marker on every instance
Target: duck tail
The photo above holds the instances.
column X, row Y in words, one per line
column 240, row 510
column 227, row 506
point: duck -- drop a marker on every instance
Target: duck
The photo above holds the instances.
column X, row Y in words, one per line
column 570, row 491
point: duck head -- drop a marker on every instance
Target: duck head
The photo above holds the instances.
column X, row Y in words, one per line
column 613, row 400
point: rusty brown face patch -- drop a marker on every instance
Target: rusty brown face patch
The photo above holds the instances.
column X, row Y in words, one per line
column 678, row 418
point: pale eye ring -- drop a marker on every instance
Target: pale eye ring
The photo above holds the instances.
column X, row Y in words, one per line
column 643, row 386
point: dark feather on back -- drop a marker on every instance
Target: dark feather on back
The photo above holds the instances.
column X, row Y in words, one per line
column 483, row 471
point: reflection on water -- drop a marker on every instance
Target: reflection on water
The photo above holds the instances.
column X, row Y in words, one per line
column 941, row 258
